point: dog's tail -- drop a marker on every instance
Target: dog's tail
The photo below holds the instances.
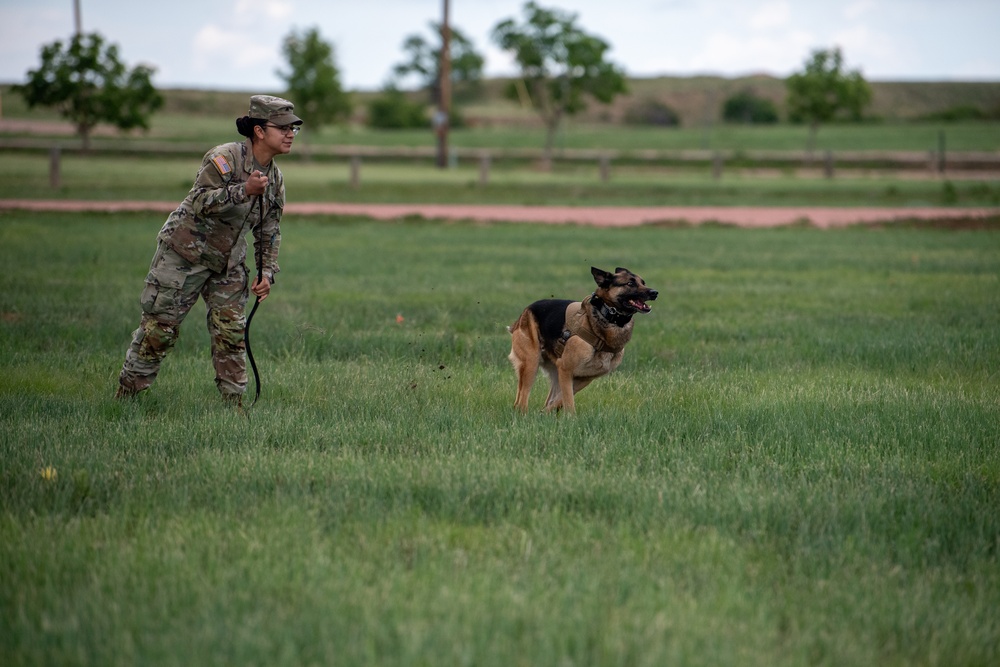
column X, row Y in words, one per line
column 517, row 323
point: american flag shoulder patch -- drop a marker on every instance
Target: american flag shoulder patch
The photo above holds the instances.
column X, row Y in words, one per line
column 221, row 164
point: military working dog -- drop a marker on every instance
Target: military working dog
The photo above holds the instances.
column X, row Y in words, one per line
column 576, row 342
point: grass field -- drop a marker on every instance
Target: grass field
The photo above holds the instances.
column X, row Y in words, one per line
column 796, row 464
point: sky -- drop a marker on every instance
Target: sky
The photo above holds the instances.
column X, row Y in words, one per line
column 236, row 44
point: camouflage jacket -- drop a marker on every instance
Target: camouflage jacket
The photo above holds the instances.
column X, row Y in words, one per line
column 210, row 225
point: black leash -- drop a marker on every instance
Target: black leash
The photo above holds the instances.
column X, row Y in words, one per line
column 260, row 278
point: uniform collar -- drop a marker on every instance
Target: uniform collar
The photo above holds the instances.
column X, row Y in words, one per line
column 249, row 162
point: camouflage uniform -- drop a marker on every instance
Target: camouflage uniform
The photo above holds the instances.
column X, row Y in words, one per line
column 201, row 250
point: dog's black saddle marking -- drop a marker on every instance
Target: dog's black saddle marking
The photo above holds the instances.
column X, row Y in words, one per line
column 551, row 316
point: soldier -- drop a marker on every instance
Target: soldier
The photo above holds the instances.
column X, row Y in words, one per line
column 201, row 250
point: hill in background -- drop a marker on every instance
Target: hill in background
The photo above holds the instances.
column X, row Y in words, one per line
column 698, row 100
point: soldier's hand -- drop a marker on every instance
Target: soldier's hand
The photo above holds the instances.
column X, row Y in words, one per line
column 256, row 184
column 261, row 288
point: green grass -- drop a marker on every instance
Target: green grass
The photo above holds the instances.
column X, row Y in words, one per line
column 168, row 179
column 796, row 463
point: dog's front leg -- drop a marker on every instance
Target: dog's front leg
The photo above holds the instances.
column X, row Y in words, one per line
column 554, row 400
column 565, row 383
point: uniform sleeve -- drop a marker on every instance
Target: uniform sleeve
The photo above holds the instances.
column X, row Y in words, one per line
column 217, row 188
column 267, row 233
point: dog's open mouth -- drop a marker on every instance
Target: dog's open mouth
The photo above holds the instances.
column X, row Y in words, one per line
column 638, row 305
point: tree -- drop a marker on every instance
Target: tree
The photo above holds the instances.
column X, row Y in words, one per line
column 561, row 65
column 392, row 111
column 423, row 60
column 88, row 85
column 313, row 80
column 823, row 91
column 747, row 107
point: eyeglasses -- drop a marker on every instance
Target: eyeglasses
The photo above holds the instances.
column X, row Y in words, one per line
column 285, row 129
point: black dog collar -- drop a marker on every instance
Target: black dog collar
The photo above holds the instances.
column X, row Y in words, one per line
column 609, row 312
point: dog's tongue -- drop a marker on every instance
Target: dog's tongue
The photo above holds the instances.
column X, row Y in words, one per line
column 641, row 306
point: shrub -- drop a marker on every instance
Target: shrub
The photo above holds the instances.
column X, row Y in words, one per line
column 652, row 112
column 746, row 107
column 961, row 113
column 393, row 111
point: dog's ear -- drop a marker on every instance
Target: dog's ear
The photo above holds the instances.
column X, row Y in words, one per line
column 620, row 270
column 602, row 278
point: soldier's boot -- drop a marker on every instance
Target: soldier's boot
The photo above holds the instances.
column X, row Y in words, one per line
column 234, row 400
column 124, row 393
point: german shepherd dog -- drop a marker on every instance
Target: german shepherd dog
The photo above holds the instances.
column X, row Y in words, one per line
column 575, row 342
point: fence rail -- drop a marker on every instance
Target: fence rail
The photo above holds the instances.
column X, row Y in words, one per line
column 717, row 160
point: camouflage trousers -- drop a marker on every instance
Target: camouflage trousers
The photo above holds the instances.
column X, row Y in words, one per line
column 173, row 285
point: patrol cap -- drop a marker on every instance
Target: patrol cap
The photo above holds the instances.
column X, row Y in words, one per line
column 274, row 109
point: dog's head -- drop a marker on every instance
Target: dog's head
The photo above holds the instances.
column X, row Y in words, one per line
column 623, row 290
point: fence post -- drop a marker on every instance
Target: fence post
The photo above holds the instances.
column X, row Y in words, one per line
column 828, row 164
column 716, row 165
column 605, row 168
column 355, row 171
column 55, row 175
column 941, row 152
column 484, row 168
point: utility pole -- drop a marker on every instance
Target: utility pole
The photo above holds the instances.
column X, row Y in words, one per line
column 76, row 15
column 443, row 114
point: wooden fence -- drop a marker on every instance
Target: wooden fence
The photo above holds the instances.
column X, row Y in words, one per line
column 829, row 162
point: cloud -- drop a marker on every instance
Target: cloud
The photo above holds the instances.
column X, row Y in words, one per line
column 861, row 44
column 218, row 48
column 759, row 52
column 254, row 10
column 249, row 40
column 771, row 15
column 858, row 9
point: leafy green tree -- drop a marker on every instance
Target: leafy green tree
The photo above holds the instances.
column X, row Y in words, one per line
column 423, row 60
column 747, row 107
column 561, row 65
column 313, row 80
column 88, row 85
column 393, row 111
column 824, row 91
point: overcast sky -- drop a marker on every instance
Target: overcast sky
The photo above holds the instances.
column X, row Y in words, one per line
column 236, row 44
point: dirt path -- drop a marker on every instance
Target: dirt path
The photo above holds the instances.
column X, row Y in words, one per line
column 601, row 216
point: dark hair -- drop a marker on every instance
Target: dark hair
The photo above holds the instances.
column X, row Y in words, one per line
column 246, row 124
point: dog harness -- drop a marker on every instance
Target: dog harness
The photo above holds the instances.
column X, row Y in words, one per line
column 577, row 324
